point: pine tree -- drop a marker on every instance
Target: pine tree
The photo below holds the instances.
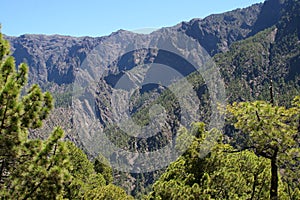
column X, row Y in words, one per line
column 101, row 166
column 29, row 169
column 109, row 191
column 41, row 169
column 223, row 174
column 84, row 177
column 273, row 134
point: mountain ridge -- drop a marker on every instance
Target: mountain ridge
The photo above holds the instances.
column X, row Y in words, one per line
column 244, row 61
column 41, row 65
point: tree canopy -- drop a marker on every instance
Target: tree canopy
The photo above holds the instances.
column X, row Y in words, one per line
column 266, row 167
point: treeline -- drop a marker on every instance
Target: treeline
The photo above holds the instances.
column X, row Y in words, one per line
column 264, row 166
column 258, row 158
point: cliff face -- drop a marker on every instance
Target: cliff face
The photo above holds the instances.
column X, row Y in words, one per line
column 54, row 58
column 51, row 58
column 56, row 61
column 250, row 46
column 61, row 63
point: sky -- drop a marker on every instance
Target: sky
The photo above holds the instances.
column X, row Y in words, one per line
column 102, row 17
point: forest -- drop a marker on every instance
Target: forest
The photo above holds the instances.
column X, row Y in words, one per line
column 255, row 156
column 266, row 166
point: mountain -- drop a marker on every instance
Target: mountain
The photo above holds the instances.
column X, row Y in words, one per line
column 54, row 58
column 250, row 46
column 272, row 54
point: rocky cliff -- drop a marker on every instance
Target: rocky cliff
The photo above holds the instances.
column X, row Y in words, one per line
column 250, row 46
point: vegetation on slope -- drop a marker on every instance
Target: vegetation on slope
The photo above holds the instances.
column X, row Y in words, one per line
column 41, row 169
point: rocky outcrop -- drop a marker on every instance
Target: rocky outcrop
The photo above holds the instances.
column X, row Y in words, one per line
column 62, row 63
column 54, row 58
column 70, row 67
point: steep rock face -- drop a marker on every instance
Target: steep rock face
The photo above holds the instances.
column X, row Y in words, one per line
column 57, row 61
column 269, row 15
column 125, row 65
column 272, row 54
column 54, row 58
column 51, row 58
column 217, row 32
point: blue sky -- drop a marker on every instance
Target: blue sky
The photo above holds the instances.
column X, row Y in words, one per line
column 101, row 17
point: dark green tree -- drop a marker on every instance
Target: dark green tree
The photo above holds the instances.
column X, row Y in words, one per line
column 41, row 169
column 222, row 174
column 84, row 177
column 29, row 169
column 273, row 134
column 108, row 192
column 101, row 166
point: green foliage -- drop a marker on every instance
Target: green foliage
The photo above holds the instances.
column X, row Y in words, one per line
column 248, row 173
column 272, row 54
column 63, row 99
column 245, row 68
column 266, row 124
column 53, row 169
column 42, row 172
column 273, row 134
column 82, row 168
column 101, row 166
column 83, row 174
column 29, row 168
column 108, row 192
column 223, row 174
column 41, row 169
column 90, row 180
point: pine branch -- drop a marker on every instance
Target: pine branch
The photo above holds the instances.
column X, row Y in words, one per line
column 42, row 180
